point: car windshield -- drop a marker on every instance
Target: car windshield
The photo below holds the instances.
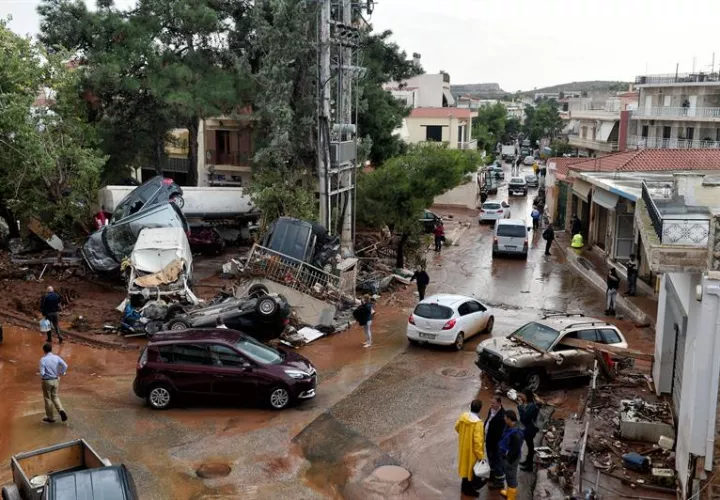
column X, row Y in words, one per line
column 529, row 177
column 258, row 352
column 491, row 206
column 433, row 311
column 517, row 180
column 133, row 202
column 511, row 230
column 538, row 335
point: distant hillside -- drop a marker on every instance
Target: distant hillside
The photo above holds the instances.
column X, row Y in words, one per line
column 592, row 86
column 487, row 90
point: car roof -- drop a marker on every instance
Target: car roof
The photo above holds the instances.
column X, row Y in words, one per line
column 491, row 203
column 197, row 334
column 510, row 222
column 447, row 299
column 564, row 322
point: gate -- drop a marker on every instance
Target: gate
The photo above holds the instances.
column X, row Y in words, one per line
column 561, row 204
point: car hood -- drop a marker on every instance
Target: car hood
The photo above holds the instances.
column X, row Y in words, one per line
column 505, row 347
column 294, row 360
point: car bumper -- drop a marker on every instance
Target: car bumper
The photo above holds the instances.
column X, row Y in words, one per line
column 446, row 337
column 517, row 192
column 305, row 389
column 139, row 388
column 502, row 373
column 510, row 251
column 489, row 218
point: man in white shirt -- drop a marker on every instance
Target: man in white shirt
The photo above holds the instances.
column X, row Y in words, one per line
column 52, row 367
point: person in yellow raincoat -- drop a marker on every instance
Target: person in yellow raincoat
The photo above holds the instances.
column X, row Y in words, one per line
column 535, row 168
column 471, row 448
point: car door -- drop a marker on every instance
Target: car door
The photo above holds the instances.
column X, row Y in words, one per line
column 465, row 319
column 478, row 316
column 233, row 373
column 188, row 367
column 576, row 362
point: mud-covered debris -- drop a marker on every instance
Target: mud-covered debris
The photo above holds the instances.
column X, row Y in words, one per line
column 388, row 480
column 213, row 470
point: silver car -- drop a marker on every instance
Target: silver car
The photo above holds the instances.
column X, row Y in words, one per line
column 511, row 237
column 491, row 211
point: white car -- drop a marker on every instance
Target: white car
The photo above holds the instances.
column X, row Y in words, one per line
column 492, row 211
column 529, row 160
column 449, row 320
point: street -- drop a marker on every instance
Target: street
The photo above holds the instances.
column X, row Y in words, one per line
column 391, row 404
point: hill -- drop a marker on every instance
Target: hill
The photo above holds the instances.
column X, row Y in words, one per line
column 591, row 86
column 486, row 90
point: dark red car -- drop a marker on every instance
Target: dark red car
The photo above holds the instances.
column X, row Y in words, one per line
column 222, row 363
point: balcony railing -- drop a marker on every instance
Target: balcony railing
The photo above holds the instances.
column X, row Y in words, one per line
column 676, row 112
column 660, row 143
column 235, row 158
column 677, row 78
column 653, row 211
column 468, row 145
column 583, row 142
column 672, row 229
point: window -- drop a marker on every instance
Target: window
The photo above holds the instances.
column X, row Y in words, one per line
column 667, row 100
column 511, row 231
column 433, row 133
column 433, row 311
column 586, row 335
column 464, row 309
column 689, row 133
column 644, row 132
column 185, row 354
column 476, row 307
column 538, row 335
column 667, row 132
column 258, row 352
column 609, row 336
column 224, row 356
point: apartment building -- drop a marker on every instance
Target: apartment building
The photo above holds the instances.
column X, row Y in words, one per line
column 677, row 111
column 595, row 124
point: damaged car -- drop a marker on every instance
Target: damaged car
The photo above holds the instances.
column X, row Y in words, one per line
column 260, row 314
column 534, row 354
column 303, row 241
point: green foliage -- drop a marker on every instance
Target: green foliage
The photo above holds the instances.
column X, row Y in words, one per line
column 489, row 125
column 560, row 147
column 278, row 193
column 542, row 121
column 49, row 164
column 513, row 127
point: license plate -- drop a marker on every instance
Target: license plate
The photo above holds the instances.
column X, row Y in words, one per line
column 427, row 336
column 507, row 247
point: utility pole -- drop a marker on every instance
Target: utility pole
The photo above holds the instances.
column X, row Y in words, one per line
column 347, row 176
column 323, row 112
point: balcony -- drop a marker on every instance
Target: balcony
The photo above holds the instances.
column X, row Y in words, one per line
column 674, row 237
column 231, row 158
column 677, row 113
column 582, row 142
column 468, row 145
column 660, row 143
column 677, row 78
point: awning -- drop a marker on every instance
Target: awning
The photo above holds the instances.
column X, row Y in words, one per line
column 605, row 198
column 581, row 189
column 604, row 131
column 449, row 97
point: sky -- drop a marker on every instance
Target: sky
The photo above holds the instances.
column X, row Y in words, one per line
column 527, row 44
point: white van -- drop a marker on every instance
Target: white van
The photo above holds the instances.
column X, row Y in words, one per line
column 510, row 237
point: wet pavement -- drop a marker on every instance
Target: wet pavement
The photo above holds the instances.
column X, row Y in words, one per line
column 391, row 404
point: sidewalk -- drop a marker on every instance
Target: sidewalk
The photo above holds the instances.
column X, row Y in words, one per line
column 642, row 308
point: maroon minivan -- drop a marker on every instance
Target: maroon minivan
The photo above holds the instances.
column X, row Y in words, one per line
column 224, row 363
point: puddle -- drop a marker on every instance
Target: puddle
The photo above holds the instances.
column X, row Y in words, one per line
column 453, row 373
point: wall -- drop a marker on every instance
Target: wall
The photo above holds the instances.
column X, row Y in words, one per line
column 683, row 283
column 430, row 90
column 416, row 129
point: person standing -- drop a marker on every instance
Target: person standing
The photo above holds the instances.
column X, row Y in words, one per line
column 367, row 312
column 510, row 450
column 576, row 225
column 549, row 236
column 471, row 448
column 439, row 233
column 52, row 367
column 422, row 279
column 50, row 307
column 535, row 214
column 613, row 283
column 632, row 275
column 528, row 411
column 494, row 429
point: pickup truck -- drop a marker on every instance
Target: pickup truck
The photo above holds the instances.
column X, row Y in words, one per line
column 67, row 471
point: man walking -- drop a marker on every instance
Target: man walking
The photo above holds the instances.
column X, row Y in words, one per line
column 471, row 448
column 510, row 449
column 51, row 367
column 632, row 275
column 549, row 236
column 494, row 429
column 613, row 283
column 528, row 411
column 439, row 233
column 535, row 214
column 422, row 279
column 50, row 307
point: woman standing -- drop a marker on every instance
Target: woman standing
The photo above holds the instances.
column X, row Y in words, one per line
column 528, row 411
column 439, row 233
column 369, row 313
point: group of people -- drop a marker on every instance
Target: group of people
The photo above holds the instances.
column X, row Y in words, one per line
column 613, row 284
column 548, row 233
column 498, row 443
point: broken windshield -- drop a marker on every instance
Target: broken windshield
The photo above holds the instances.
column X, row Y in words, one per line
column 537, row 335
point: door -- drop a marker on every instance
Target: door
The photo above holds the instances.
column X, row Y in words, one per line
column 678, row 361
column 576, row 362
column 624, row 236
column 601, row 227
column 232, row 373
column 477, row 316
column 222, row 146
column 692, row 108
column 648, row 105
column 190, row 368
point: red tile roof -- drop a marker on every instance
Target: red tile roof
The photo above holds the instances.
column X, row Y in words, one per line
column 441, row 113
column 562, row 164
column 653, row 160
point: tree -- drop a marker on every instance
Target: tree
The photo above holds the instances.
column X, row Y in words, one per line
column 560, row 147
column 396, row 194
column 49, row 164
column 513, row 127
column 542, row 121
column 489, row 125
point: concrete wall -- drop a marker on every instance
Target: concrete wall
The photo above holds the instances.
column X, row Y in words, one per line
column 430, row 90
column 464, row 196
column 417, row 132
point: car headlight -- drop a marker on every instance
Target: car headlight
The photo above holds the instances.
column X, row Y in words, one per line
column 297, row 374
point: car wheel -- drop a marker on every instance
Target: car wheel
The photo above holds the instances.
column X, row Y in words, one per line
column 160, row 397
column 178, row 324
column 279, row 398
column 490, row 324
column 178, row 200
column 11, row 492
column 258, row 290
column 267, row 307
column 459, row 342
column 534, row 381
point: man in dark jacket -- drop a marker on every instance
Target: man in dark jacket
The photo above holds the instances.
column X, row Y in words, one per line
column 549, row 236
column 50, row 307
column 510, row 450
column 576, row 225
column 422, row 279
column 494, row 428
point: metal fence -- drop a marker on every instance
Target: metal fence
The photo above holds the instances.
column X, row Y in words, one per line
column 677, row 111
column 653, row 211
column 677, row 78
column 293, row 273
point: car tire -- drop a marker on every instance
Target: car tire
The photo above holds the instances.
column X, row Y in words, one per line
column 11, row 492
column 177, row 325
column 279, row 398
column 459, row 342
column 160, row 396
column 267, row 307
column 178, row 200
column 258, row 290
column 534, row 380
column 490, row 324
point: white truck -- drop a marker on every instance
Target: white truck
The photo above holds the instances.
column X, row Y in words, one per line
column 508, row 151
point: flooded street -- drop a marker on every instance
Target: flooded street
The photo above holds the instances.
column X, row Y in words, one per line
column 391, row 404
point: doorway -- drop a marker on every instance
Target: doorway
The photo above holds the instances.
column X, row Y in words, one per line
column 624, row 236
column 601, row 227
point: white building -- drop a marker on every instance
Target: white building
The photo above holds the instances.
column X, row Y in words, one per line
column 425, row 91
column 594, row 127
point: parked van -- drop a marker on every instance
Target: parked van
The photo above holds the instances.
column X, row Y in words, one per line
column 510, row 237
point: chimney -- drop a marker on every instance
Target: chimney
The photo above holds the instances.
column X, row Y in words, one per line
column 416, row 58
column 623, row 132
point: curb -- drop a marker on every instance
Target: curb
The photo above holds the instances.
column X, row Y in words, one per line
column 635, row 313
column 24, row 322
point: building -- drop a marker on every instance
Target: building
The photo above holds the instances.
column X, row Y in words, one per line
column 557, row 95
column 451, row 126
column 424, row 91
column 677, row 111
column 679, row 227
column 595, row 126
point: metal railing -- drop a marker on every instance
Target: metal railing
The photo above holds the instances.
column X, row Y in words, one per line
column 293, row 273
column 661, row 143
column 653, row 211
column 576, row 140
column 677, row 78
column 235, row 158
column 468, row 145
column 677, row 112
